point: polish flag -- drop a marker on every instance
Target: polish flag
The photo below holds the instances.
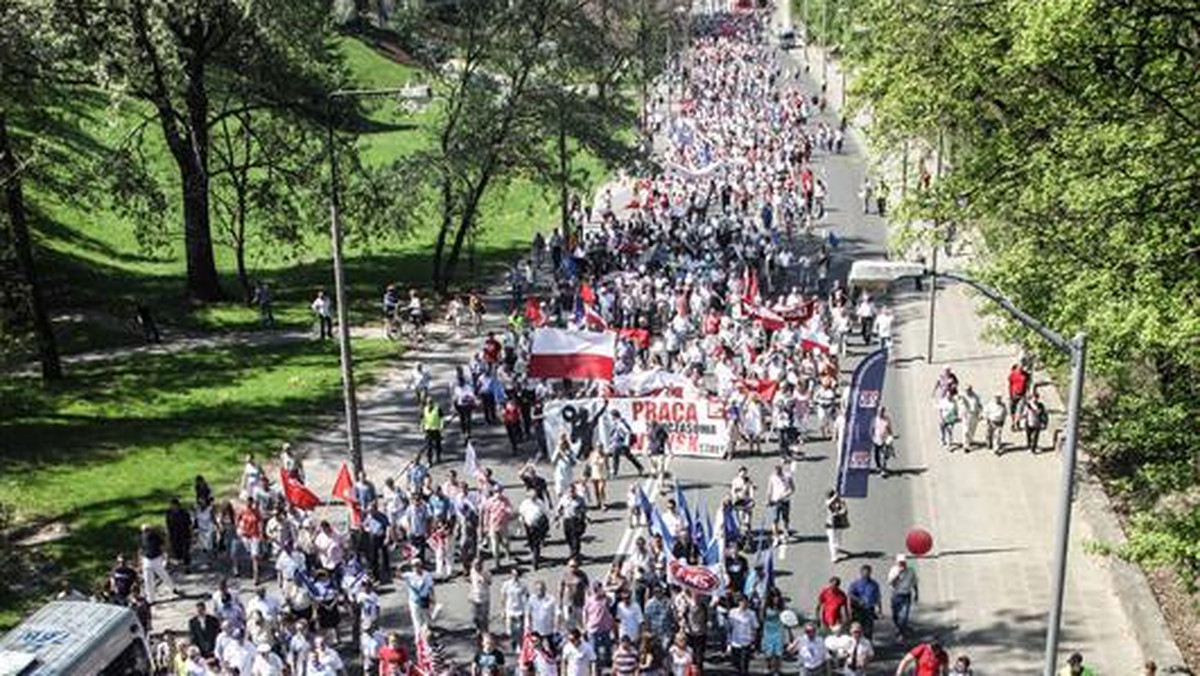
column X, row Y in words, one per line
column 813, row 338
column 582, row 355
column 770, row 319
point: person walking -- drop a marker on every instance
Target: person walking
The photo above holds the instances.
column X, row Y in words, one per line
column 837, row 519
column 154, row 563
column 322, row 307
column 866, row 601
column 742, row 625
column 535, row 518
column 972, row 409
column 833, row 606
column 927, row 659
column 853, row 651
column 780, row 488
column 479, row 594
column 179, row 533
column 597, row 473
column 903, row 581
column 432, row 424
column 620, row 442
column 263, row 299
column 572, row 512
column 1035, row 418
column 1076, row 667
column 995, row 414
column 883, row 436
column 948, row 415
column 811, row 652
column 1018, row 386
column 510, row 415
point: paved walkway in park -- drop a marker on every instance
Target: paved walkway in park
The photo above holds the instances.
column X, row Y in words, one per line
column 189, row 343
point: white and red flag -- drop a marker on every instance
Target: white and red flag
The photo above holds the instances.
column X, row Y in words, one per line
column 813, row 336
column 579, row 355
column 769, row 319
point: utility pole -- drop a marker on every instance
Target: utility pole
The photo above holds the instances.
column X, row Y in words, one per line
column 933, row 282
column 349, row 396
column 825, row 46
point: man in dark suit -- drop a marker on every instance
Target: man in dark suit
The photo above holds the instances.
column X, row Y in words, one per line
column 203, row 629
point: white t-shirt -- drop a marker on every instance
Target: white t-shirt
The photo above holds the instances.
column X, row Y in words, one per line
column 541, row 614
column 514, row 594
column 578, row 658
column 629, row 620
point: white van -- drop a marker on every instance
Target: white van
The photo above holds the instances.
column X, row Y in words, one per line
column 76, row 638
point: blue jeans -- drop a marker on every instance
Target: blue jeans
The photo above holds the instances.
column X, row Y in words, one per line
column 946, row 433
column 602, row 643
column 901, row 609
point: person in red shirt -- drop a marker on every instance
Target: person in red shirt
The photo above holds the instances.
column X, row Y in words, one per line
column 249, row 530
column 510, row 415
column 833, row 606
column 393, row 657
column 931, row 659
column 491, row 349
column 1018, row 386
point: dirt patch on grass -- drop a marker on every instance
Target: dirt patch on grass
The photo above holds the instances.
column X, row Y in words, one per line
column 1182, row 611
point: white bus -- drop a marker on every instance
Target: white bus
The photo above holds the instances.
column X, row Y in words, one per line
column 76, row 638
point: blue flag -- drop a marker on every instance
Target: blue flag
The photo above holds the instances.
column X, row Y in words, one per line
column 854, row 457
column 729, row 523
column 681, row 503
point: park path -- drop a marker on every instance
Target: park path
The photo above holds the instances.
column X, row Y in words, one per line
column 191, row 343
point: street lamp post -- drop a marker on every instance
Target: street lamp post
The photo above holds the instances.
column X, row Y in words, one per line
column 1076, row 349
column 349, row 397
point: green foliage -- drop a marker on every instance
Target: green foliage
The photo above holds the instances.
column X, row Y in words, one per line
column 1078, row 123
column 106, row 448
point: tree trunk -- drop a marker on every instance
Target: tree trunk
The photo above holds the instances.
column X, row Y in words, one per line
column 239, row 245
column 203, row 283
column 465, row 224
column 563, row 173
column 19, row 227
column 441, row 281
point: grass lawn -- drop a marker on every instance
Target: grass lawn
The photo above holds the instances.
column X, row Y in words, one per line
column 96, row 269
column 108, row 447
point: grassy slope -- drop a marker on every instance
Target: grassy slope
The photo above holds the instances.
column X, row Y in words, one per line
column 96, row 266
column 106, row 449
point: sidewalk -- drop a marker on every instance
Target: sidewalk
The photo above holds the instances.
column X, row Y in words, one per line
column 994, row 518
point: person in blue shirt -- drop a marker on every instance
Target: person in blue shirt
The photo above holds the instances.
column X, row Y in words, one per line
column 866, row 601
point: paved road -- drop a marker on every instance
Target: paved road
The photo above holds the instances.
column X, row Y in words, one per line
column 987, row 585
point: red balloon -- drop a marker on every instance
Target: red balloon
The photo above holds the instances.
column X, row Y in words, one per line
column 919, row 542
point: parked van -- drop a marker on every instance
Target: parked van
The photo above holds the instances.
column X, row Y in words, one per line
column 76, row 638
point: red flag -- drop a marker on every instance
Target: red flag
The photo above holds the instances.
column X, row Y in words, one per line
column 297, row 494
column 765, row 388
column 528, row 650
column 343, row 489
column 641, row 337
column 750, row 279
column 770, row 320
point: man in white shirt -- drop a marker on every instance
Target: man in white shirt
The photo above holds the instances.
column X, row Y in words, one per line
column 903, row 581
column 811, row 652
column 541, row 611
column 854, row 651
column 237, row 653
column 743, row 623
column 629, row 618
column 780, row 487
column 578, row 656
column 266, row 663
column 515, row 595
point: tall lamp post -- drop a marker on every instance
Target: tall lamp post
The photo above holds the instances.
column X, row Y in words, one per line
column 1076, row 349
column 349, row 397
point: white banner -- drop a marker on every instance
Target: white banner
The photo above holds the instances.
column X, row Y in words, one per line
column 696, row 425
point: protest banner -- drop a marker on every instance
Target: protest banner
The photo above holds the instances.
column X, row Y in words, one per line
column 696, row 425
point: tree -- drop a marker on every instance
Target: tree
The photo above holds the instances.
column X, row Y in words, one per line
column 525, row 71
column 198, row 64
column 27, row 54
column 1079, row 176
column 263, row 169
